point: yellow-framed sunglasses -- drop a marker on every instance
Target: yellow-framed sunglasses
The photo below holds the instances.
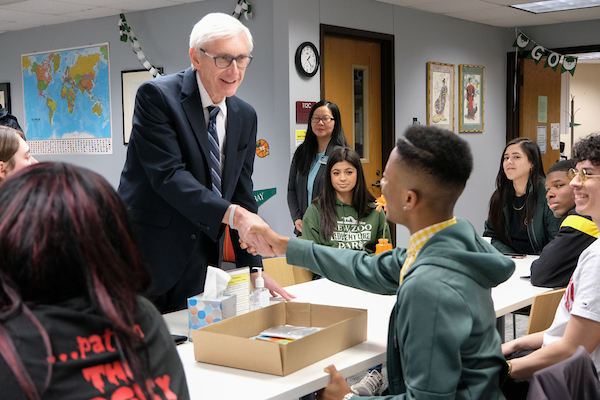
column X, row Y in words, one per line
column 583, row 175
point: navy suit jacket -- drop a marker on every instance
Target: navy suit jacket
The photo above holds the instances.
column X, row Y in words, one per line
column 166, row 180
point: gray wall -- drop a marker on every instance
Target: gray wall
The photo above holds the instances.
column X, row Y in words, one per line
column 419, row 37
column 272, row 84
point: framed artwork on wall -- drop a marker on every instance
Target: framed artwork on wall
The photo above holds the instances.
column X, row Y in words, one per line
column 471, row 99
column 440, row 95
column 5, row 96
column 130, row 82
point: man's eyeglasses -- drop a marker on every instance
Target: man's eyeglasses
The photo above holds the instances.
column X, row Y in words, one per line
column 583, row 175
column 225, row 61
column 325, row 120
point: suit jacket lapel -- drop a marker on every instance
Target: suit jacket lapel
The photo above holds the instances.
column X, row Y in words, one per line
column 192, row 106
column 232, row 139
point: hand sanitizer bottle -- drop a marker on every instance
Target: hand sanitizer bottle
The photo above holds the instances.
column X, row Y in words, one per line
column 259, row 296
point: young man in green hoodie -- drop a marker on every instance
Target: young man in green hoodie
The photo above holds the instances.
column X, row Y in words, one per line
column 442, row 341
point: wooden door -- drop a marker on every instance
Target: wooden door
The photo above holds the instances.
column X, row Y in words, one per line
column 352, row 80
column 539, row 81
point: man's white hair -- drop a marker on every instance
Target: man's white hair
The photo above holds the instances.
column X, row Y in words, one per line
column 215, row 26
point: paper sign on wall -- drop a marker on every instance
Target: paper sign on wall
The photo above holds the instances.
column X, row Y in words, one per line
column 541, row 138
column 300, row 136
column 555, row 136
column 543, row 109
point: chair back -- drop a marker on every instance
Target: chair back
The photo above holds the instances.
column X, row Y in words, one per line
column 543, row 309
column 284, row 273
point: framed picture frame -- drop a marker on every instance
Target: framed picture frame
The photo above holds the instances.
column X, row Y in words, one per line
column 440, row 95
column 471, row 98
column 5, row 96
column 130, row 82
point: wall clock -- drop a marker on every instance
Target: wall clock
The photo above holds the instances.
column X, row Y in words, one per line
column 307, row 59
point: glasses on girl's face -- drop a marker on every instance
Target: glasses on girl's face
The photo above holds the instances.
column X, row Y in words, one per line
column 325, row 120
column 583, row 175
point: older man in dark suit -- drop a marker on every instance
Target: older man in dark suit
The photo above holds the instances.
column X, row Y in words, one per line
column 189, row 164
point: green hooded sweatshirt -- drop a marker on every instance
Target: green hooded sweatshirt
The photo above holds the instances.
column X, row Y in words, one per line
column 442, row 339
column 349, row 233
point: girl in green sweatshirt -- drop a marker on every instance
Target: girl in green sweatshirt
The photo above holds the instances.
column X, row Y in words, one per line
column 344, row 216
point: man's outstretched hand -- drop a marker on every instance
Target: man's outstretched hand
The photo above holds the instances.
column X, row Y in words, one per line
column 243, row 222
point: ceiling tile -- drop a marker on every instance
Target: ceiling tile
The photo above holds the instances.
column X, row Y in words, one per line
column 24, row 14
column 445, row 7
column 98, row 12
column 584, row 14
column 45, row 7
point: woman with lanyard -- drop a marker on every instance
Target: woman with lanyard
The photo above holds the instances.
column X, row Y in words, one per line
column 323, row 135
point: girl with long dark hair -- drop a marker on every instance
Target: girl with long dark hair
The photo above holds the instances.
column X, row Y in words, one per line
column 519, row 218
column 344, row 215
column 323, row 135
column 73, row 323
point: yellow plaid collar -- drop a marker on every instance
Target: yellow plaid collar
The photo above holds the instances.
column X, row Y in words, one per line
column 418, row 239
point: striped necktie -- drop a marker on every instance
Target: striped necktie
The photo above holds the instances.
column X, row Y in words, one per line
column 215, row 151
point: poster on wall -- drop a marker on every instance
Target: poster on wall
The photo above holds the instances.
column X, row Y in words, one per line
column 130, row 83
column 440, row 95
column 66, row 95
column 471, row 98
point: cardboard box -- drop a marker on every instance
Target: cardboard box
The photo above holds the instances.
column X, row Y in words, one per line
column 227, row 343
column 203, row 312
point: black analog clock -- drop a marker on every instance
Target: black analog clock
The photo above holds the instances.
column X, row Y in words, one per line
column 307, row 59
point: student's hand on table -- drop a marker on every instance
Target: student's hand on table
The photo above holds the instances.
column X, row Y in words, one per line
column 337, row 388
column 298, row 224
column 277, row 243
column 274, row 287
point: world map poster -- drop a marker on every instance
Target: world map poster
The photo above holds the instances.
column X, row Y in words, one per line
column 67, row 101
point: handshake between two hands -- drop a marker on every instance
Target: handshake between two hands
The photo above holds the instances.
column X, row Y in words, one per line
column 256, row 237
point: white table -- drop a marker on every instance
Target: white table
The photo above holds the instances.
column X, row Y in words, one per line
column 516, row 292
column 207, row 381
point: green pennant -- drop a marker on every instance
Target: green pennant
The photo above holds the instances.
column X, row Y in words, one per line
column 552, row 60
column 521, row 42
column 263, row 195
column 569, row 64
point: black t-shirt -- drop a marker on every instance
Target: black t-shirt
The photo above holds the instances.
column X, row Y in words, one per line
column 516, row 230
column 86, row 362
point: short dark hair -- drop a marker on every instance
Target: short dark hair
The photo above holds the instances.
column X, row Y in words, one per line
column 588, row 148
column 437, row 152
column 562, row 165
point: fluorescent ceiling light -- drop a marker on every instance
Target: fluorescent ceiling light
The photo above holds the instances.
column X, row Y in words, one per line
column 540, row 7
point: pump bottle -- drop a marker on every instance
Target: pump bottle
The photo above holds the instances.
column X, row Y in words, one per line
column 259, row 296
